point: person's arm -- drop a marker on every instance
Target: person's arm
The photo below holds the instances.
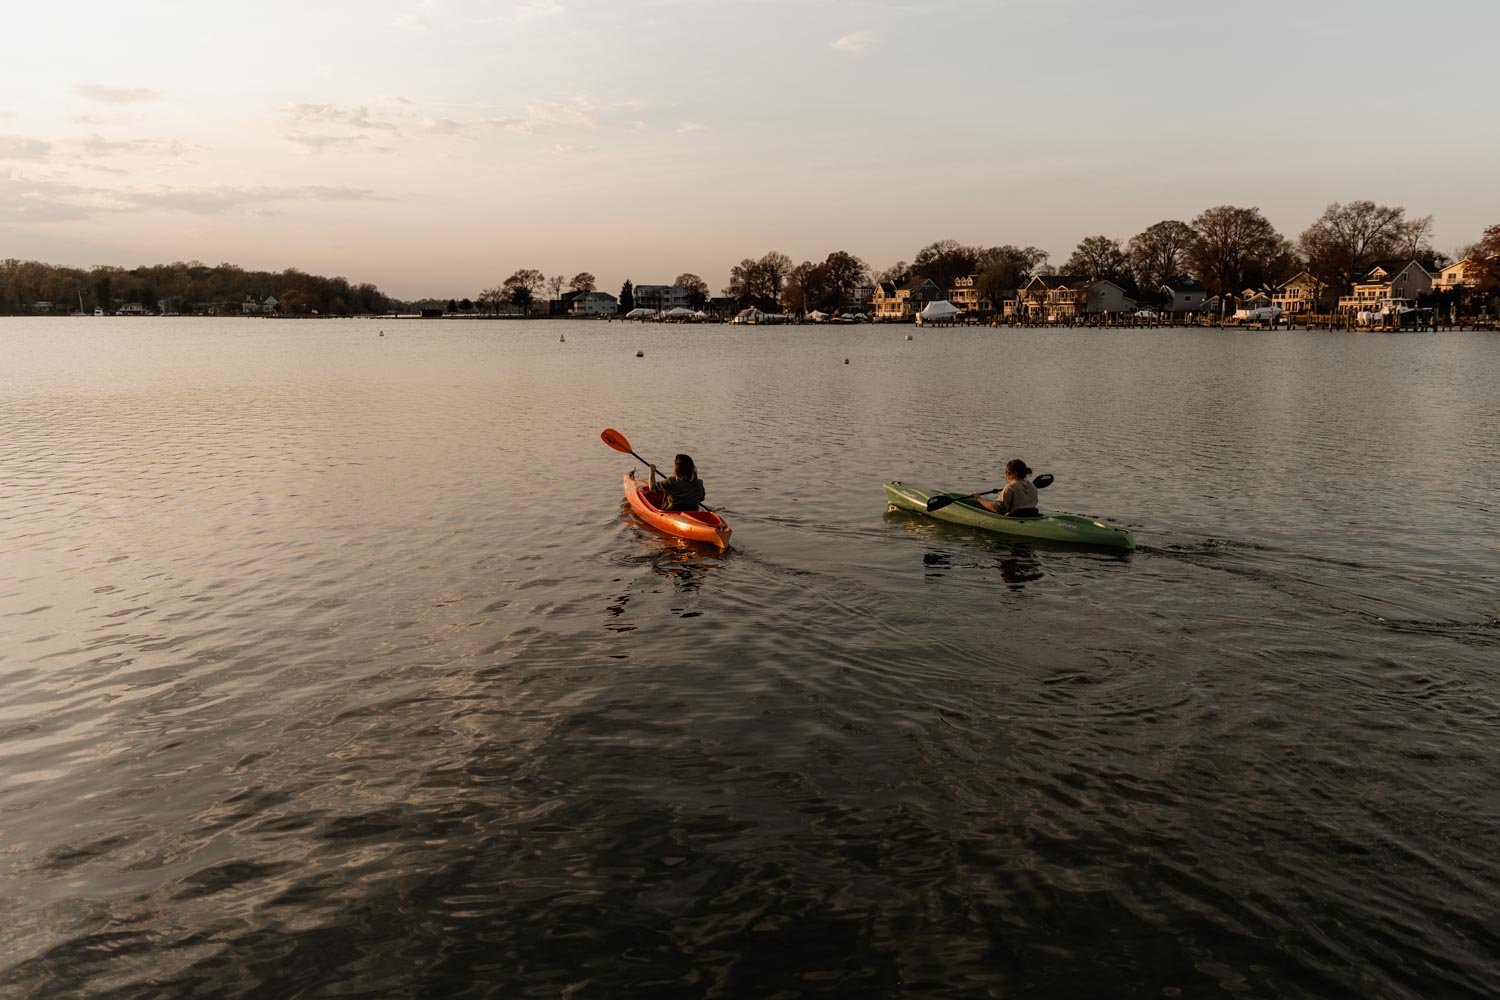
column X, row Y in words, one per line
column 1005, row 501
column 990, row 505
column 651, row 485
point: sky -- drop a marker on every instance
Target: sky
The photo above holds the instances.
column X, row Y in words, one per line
column 435, row 146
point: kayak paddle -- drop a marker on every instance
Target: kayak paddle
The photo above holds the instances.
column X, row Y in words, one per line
column 938, row 503
column 619, row 442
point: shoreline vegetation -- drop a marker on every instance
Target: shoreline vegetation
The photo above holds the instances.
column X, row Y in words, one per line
column 1359, row 264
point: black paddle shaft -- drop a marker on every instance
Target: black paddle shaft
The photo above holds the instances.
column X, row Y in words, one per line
column 938, row 503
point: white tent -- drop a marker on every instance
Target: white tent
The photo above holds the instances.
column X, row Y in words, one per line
column 817, row 316
column 700, row 314
column 751, row 315
column 679, row 313
column 938, row 311
column 640, row 313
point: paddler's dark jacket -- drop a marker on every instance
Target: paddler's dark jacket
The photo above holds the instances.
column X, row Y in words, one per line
column 681, row 494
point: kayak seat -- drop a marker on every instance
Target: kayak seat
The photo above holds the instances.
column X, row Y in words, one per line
column 1026, row 513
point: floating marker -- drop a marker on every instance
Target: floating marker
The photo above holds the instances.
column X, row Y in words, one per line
column 846, row 361
column 640, row 354
column 908, row 336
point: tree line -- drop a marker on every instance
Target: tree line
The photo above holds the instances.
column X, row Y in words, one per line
column 190, row 286
column 1226, row 248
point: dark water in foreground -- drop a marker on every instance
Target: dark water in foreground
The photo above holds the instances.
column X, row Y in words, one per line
column 330, row 666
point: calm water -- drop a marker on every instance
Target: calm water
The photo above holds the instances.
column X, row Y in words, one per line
column 331, row 666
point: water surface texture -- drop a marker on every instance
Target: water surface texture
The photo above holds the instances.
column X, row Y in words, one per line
column 330, row 664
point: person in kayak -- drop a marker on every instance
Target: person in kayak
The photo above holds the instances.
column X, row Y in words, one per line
column 683, row 490
column 1018, row 499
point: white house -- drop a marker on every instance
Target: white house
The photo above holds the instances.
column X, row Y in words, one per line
column 1106, row 297
column 662, row 297
column 1185, row 296
column 594, row 304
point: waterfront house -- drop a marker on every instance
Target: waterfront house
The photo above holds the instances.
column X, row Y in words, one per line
column 1054, row 298
column 131, row 309
column 594, row 304
column 883, row 300
column 1105, row 298
column 1254, row 298
column 1297, row 294
column 859, row 296
column 1183, row 295
column 41, row 307
column 662, row 297
column 904, row 302
column 965, row 294
column 1388, row 280
column 1459, row 274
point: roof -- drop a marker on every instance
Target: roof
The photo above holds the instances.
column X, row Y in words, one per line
column 1395, row 266
column 888, row 287
column 1060, row 280
column 1183, row 285
column 912, row 284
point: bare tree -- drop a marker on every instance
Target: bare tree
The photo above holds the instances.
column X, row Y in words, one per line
column 555, row 285
column 582, row 282
column 1097, row 257
column 1160, row 253
column 696, row 288
column 1232, row 245
column 1347, row 240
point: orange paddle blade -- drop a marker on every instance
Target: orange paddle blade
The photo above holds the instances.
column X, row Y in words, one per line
column 616, row 440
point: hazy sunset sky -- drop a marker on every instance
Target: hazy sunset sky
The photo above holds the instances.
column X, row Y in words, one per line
column 434, row 146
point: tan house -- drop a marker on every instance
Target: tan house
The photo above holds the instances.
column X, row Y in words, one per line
column 1460, row 274
column 903, row 303
column 1297, row 294
column 1253, row 298
column 1391, row 280
column 1053, row 298
column 966, row 296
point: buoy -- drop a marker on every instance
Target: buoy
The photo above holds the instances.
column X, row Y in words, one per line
column 640, row 354
column 562, row 339
column 908, row 336
column 382, row 333
column 846, row 361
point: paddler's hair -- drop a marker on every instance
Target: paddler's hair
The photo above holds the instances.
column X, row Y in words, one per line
column 683, row 467
column 1016, row 467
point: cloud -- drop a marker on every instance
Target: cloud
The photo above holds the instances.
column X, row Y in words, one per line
column 23, row 200
column 572, row 114
column 95, row 145
column 443, row 126
column 857, row 41
column 691, row 128
column 17, row 147
column 332, row 114
column 214, row 200
column 319, row 141
column 115, row 95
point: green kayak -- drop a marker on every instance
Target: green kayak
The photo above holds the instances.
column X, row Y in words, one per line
column 1048, row 527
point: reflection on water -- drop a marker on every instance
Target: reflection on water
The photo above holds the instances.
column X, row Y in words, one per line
column 294, row 701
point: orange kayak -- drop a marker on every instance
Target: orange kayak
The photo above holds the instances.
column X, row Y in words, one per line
column 695, row 525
